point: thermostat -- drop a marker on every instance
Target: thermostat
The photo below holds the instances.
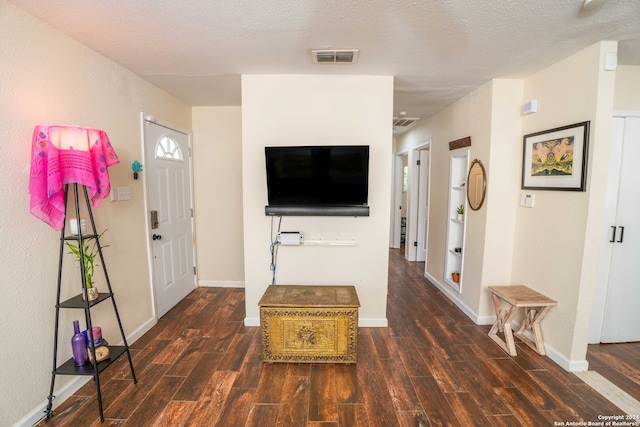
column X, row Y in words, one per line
column 527, row 199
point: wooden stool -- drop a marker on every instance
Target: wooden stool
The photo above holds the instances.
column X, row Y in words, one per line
column 516, row 297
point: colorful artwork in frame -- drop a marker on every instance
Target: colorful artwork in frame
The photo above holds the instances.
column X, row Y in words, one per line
column 556, row 159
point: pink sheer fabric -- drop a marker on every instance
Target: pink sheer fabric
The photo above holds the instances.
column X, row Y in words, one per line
column 67, row 154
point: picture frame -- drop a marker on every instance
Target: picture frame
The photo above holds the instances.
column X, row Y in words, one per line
column 556, row 159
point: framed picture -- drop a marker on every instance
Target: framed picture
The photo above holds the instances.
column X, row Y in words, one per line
column 556, row 159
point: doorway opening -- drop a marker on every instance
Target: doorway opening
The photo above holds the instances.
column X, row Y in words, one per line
column 416, row 221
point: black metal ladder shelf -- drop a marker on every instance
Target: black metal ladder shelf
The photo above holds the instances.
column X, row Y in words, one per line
column 92, row 368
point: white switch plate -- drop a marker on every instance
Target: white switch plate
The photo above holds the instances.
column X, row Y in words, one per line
column 113, row 194
column 527, row 200
column 124, row 193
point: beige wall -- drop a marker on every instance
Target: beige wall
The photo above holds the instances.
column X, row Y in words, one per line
column 503, row 189
column 46, row 77
column 217, row 169
column 557, row 242
column 318, row 110
column 627, row 92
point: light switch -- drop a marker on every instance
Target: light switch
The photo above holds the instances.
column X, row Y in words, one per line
column 113, row 194
column 527, row 199
column 124, row 193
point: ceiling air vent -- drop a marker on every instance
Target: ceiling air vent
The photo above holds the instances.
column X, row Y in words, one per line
column 329, row 56
column 403, row 123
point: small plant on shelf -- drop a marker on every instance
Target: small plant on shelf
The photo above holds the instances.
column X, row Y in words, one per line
column 460, row 212
column 455, row 276
column 89, row 253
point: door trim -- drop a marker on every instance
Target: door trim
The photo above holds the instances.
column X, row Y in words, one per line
column 147, row 220
column 397, row 200
column 422, row 193
column 412, row 200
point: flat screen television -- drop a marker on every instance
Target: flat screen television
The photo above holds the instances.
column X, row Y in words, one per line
column 318, row 180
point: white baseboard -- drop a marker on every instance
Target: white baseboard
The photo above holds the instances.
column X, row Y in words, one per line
column 453, row 296
column 62, row 394
column 486, row 320
column 67, row 390
column 143, row 329
column 362, row 322
column 220, row 284
column 556, row 356
column 251, row 321
column 374, row 322
column 566, row 364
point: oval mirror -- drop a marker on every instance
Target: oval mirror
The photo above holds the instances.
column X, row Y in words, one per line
column 476, row 185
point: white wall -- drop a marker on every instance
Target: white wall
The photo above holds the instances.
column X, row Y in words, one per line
column 46, row 77
column 318, row 110
column 217, row 169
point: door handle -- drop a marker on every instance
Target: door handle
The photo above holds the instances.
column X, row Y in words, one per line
column 621, row 233
column 156, row 237
column 613, row 234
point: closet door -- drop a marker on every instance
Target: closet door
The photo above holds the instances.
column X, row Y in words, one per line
column 622, row 316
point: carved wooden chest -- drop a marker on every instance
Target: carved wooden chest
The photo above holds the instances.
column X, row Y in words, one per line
column 309, row 324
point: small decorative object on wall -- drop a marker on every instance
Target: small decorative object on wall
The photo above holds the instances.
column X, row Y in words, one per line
column 556, row 159
column 455, row 276
column 136, row 167
column 460, row 212
column 477, row 189
column 460, row 143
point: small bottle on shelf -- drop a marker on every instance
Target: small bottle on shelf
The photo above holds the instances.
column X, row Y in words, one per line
column 78, row 346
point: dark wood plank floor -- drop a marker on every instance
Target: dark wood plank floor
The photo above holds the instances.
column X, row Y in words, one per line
column 200, row 366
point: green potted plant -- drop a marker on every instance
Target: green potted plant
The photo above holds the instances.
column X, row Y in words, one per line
column 455, row 276
column 460, row 212
column 89, row 254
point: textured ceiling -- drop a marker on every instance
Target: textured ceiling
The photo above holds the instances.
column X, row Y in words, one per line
column 438, row 51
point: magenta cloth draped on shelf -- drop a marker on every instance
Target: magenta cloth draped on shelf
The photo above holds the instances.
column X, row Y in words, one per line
column 62, row 155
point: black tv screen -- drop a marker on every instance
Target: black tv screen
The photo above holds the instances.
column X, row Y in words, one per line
column 317, row 176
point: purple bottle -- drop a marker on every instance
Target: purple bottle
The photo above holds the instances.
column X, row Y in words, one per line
column 80, row 356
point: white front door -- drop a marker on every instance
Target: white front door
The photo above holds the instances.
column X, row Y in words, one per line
column 622, row 313
column 168, row 175
column 423, row 205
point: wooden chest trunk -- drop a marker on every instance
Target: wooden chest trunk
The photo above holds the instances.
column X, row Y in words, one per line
column 309, row 324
